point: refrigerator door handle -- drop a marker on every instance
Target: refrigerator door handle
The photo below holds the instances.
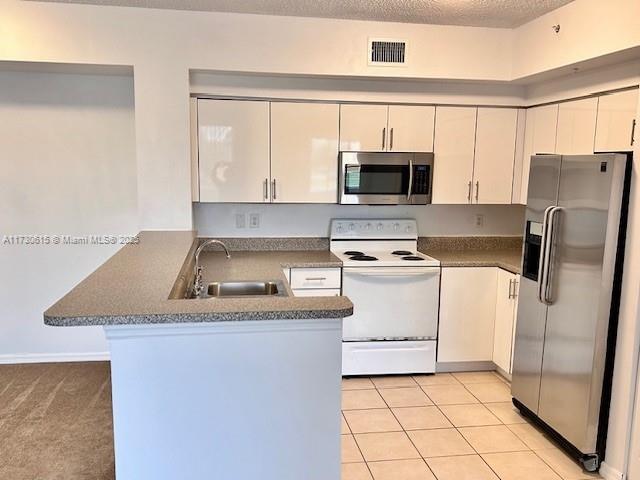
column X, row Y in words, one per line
column 543, row 254
column 548, row 300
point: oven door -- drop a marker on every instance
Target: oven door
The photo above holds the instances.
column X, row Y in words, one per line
column 385, row 178
column 391, row 303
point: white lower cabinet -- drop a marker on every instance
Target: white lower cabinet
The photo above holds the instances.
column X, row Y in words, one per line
column 506, row 302
column 467, row 314
column 316, row 292
column 315, row 282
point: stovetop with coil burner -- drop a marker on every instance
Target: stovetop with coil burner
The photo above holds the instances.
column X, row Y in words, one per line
column 378, row 243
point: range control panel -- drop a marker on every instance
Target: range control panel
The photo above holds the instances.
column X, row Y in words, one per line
column 344, row 228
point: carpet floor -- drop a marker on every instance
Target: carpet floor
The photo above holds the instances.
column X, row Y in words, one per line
column 56, row 422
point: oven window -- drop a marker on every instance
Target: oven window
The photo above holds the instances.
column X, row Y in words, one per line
column 376, row 179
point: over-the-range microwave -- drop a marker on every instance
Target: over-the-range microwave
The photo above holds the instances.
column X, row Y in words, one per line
column 375, row 178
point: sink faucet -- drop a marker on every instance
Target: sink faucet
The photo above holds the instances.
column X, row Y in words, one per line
column 197, row 281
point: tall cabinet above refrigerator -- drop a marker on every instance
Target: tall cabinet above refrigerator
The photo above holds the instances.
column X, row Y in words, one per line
column 569, row 297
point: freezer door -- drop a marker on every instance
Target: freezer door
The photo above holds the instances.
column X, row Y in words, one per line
column 544, row 180
column 579, row 295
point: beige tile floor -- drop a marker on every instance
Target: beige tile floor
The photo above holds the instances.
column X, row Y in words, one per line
column 459, row 426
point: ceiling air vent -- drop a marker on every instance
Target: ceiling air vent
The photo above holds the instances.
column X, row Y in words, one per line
column 387, row 52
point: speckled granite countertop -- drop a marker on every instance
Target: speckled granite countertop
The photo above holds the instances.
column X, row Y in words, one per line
column 502, row 252
column 133, row 286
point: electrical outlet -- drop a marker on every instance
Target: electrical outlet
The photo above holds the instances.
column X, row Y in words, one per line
column 241, row 220
column 254, row 220
column 479, row 220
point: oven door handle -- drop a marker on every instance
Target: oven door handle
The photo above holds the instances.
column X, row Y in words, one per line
column 387, row 272
column 410, row 189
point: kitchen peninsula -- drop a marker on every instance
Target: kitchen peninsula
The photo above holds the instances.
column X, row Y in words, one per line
column 215, row 387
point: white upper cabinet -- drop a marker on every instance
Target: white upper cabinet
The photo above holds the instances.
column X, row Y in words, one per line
column 386, row 128
column 519, row 158
column 454, row 144
column 494, row 155
column 304, row 152
column 363, row 128
column 616, row 117
column 411, row 128
column 233, row 153
column 576, row 128
column 540, row 137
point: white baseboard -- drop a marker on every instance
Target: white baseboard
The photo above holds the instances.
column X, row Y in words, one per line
column 609, row 473
column 54, row 357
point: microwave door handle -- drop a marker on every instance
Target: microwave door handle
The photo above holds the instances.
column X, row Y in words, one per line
column 410, row 189
column 543, row 254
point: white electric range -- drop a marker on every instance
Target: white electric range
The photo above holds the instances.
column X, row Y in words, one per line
column 395, row 291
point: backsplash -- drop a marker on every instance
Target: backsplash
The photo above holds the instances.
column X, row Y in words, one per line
column 312, row 220
column 469, row 243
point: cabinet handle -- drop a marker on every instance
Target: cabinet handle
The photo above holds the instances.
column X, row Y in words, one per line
column 633, row 131
column 469, row 192
column 515, row 288
column 391, row 139
column 273, row 188
column 384, row 137
column 510, row 288
column 477, row 190
column 315, row 279
column 265, row 190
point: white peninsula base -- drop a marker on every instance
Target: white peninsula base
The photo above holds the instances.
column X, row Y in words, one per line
column 227, row 400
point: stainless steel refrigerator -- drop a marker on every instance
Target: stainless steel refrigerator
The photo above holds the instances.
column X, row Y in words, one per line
column 569, row 297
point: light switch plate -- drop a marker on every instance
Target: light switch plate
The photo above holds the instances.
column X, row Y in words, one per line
column 254, row 220
column 241, row 220
column 479, row 220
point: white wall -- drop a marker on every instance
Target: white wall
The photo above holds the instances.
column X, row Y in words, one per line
column 355, row 89
column 67, row 167
column 583, row 83
column 313, row 220
column 163, row 45
column 624, row 380
column 625, row 370
column 588, row 29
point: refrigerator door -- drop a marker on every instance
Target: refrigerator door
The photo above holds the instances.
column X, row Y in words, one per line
column 579, row 295
column 544, row 179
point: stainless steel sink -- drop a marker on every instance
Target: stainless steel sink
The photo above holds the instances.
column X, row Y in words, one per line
column 242, row 289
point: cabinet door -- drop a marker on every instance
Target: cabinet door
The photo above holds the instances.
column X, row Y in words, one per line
column 516, row 196
column 233, row 140
column 363, row 128
column 411, row 128
column 467, row 314
column 616, row 115
column 576, row 126
column 539, row 137
column 454, row 144
column 494, row 155
column 516, row 293
column 505, row 312
column 304, row 152
column 317, row 292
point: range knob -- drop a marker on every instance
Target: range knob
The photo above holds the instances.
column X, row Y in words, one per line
column 339, row 228
column 352, row 226
column 379, row 226
column 408, row 229
column 367, row 226
column 396, row 226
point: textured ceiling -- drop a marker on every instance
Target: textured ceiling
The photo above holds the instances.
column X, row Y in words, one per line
column 477, row 13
